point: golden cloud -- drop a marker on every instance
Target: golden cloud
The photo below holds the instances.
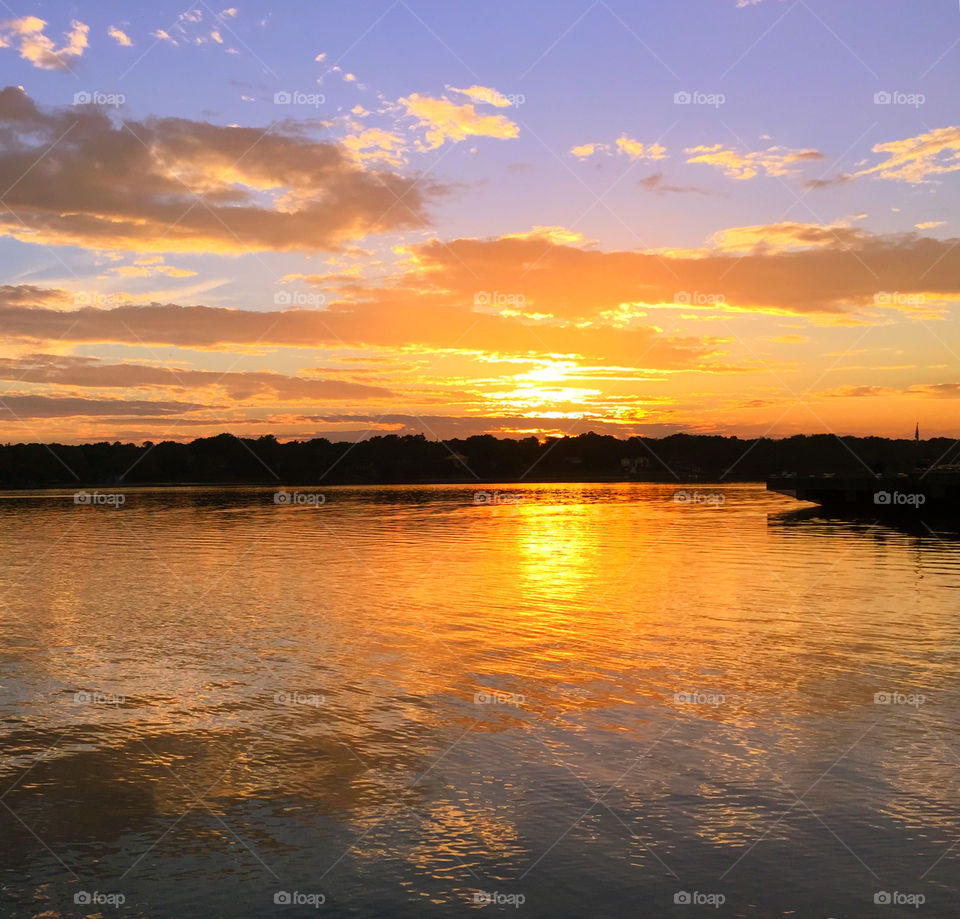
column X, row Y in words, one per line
column 635, row 149
column 774, row 161
column 913, row 159
column 171, row 184
column 445, row 120
column 37, row 48
column 782, row 237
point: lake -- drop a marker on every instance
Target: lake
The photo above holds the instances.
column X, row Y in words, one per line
column 538, row 700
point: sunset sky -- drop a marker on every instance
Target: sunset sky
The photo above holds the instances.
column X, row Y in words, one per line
column 341, row 219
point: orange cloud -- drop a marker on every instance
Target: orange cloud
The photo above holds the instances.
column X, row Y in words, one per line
column 787, row 267
column 63, row 370
column 387, row 319
column 17, row 407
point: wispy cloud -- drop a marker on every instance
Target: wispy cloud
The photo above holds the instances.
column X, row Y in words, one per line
column 774, row 161
column 915, row 159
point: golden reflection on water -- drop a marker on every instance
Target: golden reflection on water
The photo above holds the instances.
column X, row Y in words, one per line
column 586, row 617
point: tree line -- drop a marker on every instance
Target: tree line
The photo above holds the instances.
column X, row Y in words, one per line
column 228, row 459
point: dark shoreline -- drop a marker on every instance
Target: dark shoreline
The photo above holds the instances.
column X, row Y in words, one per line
column 414, row 460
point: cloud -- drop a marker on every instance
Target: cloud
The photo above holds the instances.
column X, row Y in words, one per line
column 542, row 295
column 624, row 145
column 818, row 184
column 119, row 36
column 636, row 150
column 914, row 159
column 797, row 268
column 782, row 237
column 149, row 266
column 37, row 48
column 462, row 426
column 445, row 120
column 585, row 150
column 172, row 184
column 655, row 183
column 484, row 94
column 387, row 319
column 929, row 224
column 29, row 295
column 376, row 144
column 774, row 161
column 14, row 407
column 90, row 372
column 937, row 390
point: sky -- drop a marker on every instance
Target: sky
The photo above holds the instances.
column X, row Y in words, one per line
column 520, row 218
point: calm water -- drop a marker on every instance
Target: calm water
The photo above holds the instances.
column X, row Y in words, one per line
column 598, row 701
